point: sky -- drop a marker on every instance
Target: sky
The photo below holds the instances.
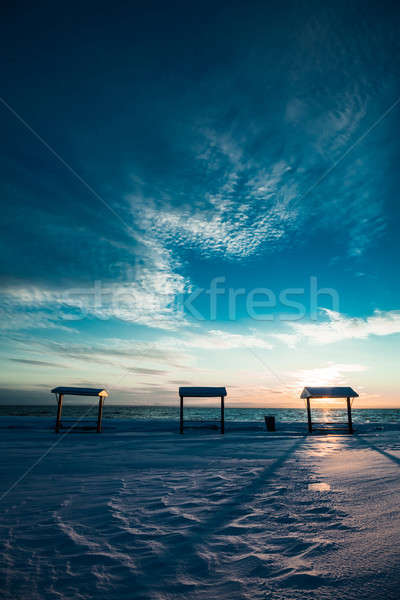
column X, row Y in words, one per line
column 200, row 194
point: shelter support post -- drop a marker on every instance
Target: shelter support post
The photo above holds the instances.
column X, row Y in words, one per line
column 222, row 415
column 181, row 415
column 349, row 416
column 100, row 414
column 59, row 411
column 309, row 416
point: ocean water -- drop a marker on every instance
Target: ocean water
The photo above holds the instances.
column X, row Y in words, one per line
column 205, row 414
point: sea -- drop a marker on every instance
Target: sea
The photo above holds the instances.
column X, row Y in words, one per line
column 206, row 414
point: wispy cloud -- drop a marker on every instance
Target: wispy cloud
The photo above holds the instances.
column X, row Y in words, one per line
column 330, row 374
column 247, row 211
column 148, row 297
column 216, row 339
column 245, row 208
column 114, row 352
column 338, row 327
column 248, row 208
column 37, row 363
column 144, row 371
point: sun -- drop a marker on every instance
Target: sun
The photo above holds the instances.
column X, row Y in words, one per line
column 328, row 402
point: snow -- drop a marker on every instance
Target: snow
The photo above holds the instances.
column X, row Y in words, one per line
column 141, row 512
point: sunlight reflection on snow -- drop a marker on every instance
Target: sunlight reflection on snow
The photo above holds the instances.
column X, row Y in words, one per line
column 319, row 487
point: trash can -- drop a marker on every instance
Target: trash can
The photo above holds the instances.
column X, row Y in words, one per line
column 270, row 423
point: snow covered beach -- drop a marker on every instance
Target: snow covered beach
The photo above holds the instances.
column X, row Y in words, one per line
column 142, row 512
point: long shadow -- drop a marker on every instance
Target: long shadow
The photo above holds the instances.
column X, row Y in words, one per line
column 379, row 450
column 227, row 512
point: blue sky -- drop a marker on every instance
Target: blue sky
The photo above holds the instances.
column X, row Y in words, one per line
column 153, row 154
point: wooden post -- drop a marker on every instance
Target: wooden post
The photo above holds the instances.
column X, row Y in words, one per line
column 349, row 416
column 222, row 415
column 59, row 410
column 100, row 414
column 181, row 415
column 309, row 416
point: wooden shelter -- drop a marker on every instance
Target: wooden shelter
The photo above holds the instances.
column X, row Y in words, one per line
column 329, row 392
column 202, row 392
column 60, row 392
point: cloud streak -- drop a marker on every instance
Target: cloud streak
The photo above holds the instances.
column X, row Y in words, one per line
column 37, row 363
column 147, row 298
column 338, row 327
column 216, row 339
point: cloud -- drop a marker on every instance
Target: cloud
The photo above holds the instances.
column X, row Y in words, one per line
column 216, row 339
column 30, row 308
column 144, row 371
column 114, row 358
column 114, row 352
column 247, row 208
column 289, row 339
column 227, row 180
column 339, row 327
column 233, row 234
column 37, row 363
column 147, row 298
column 330, row 374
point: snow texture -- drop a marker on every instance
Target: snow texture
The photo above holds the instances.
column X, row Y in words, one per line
column 141, row 512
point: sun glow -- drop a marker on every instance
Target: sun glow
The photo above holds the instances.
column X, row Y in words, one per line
column 336, row 374
column 328, row 402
